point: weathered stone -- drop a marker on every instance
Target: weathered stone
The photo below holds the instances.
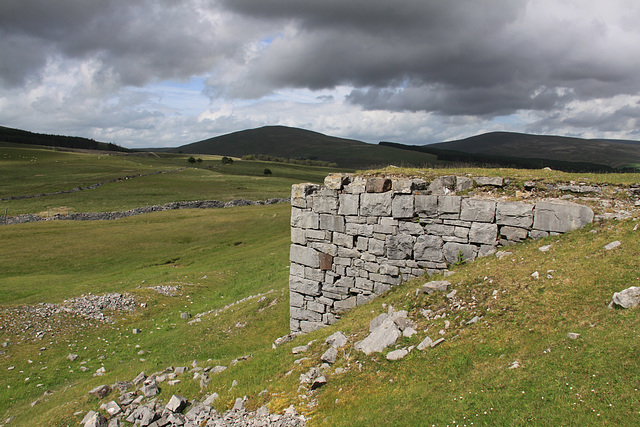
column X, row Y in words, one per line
column 304, row 219
column 384, row 336
column 139, row 379
column 399, row 246
column 435, row 285
column 349, row 204
column 612, row 245
column 424, row 344
column 303, row 314
column 483, row 233
column 561, row 217
column 397, row 354
column 100, row 391
column 112, row 408
column 337, row 340
column 325, row 204
column 515, row 214
column 494, row 181
column 332, row 223
column 477, row 210
column 346, row 304
column 96, row 420
column 428, row 248
column 452, row 250
column 150, row 388
column 177, row 403
column 377, row 185
column 463, row 183
column 304, row 286
column 627, row 298
column 330, row 356
column 402, row 206
column 513, row 234
column 426, row 205
column 449, row 205
column 318, row 382
column 305, row 256
column 375, row 204
column 442, row 185
column 336, row 181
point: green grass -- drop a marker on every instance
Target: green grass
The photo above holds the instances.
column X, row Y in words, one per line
column 221, row 256
column 26, row 171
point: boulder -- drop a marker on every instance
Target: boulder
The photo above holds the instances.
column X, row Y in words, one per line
column 330, row 356
column 561, row 217
column 435, row 285
column 337, row 340
column 627, row 298
column 177, row 403
column 100, row 391
column 95, row 420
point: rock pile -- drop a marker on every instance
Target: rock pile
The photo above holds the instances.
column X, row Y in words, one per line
column 48, row 318
column 137, row 404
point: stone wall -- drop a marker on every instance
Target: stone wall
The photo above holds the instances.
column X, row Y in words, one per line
column 355, row 237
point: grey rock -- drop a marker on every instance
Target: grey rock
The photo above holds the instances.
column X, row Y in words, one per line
column 318, row 382
column 238, row 405
column 375, row 204
column 209, row 400
column 185, row 315
column 139, row 379
column 100, row 391
column 177, row 403
column 300, row 349
column 627, row 298
column 397, row 354
column 112, row 408
column 463, row 183
column 442, row 185
column 612, row 245
column 427, row 342
column 515, row 214
column 305, row 256
column 337, row 340
column 514, row 234
column 477, row 210
column 561, row 217
column 96, row 420
column 217, row 369
column 72, row 357
column 150, row 388
column 573, row 335
column 435, row 285
column 483, row 233
column 375, row 323
column 494, row 181
column 330, row 356
column 437, row 342
column 452, row 249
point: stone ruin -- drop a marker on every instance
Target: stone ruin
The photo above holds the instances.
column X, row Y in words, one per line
column 355, row 237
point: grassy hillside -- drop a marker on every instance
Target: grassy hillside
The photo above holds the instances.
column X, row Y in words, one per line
column 222, row 256
column 294, row 143
column 525, row 150
column 31, row 171
column 18, row 136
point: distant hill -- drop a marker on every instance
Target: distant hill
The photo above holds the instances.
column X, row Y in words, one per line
column 295, row 143
column 526, row 150
column 18, row 136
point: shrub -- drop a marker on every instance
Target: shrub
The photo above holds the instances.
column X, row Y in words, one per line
column 191, row 160
column 267, row 171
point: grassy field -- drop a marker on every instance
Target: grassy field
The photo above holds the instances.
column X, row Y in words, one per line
column 28, row 171
column 222, row 256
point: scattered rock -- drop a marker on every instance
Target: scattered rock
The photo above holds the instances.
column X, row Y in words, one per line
column 300, row 349
column 573, row 335
column 435, row 285
column 72, row 357
column 397, row 354
column 427, row 342
column 514, row 365
column 544, row 248
column 612, row 245
column 318, row 382
column 627, row 298
column 100, row 391
column 337, row 340
column 535, row 275
column 330, row 356
column 177, row 403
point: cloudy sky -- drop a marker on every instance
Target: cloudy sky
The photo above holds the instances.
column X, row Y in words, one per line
column 150, row 73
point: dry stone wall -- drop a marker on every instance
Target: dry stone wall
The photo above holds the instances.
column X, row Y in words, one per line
column 354, row 237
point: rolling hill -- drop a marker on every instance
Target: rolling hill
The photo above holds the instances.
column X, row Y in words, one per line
column 18, row 136
column 295, row 143
column 526, row 150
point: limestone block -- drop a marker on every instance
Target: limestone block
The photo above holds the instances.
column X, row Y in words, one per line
column 537, row 234
column 297, row 270
column 296, row 299
column 627, row 298
column 336, row 181
column 494, row 181
column 483, row 233
column 306, row 326
column 561, row 217
column 382, row 278
column 313, row 274
column 486, row 250
column 440, row 229
column 364, row 284
column 348, row 253
column 342, row 239
column 461, row 232
column 402, row 206
column 345, row 304
column 452, row 249
column 298, row 236
column 463, row 183
column 303, row 190
column 316, row 306
column 304, row 219
column 412, row 228
column 428, row 248
column 325, row 204
column 513, row 234
column 327, row 248
column 377, row 185
column 349, row 204
column 303, row 314
column 362, row 243
column 390, row 270
column 380, row 288
column 356, row 186
column 425, row 205
column 364, row 298
column 399, row 246
column 442, row 185
column 294, row 325
column 477, row 210
column 385, row 229
column 376, row 247
column 304, row 286
column 375, row 204
column 449, row 205
column 515, row 214
column 317, row 235
column 329, row 319
column 332, row 223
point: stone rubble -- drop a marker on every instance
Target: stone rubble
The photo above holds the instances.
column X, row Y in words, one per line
column 628, row 298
